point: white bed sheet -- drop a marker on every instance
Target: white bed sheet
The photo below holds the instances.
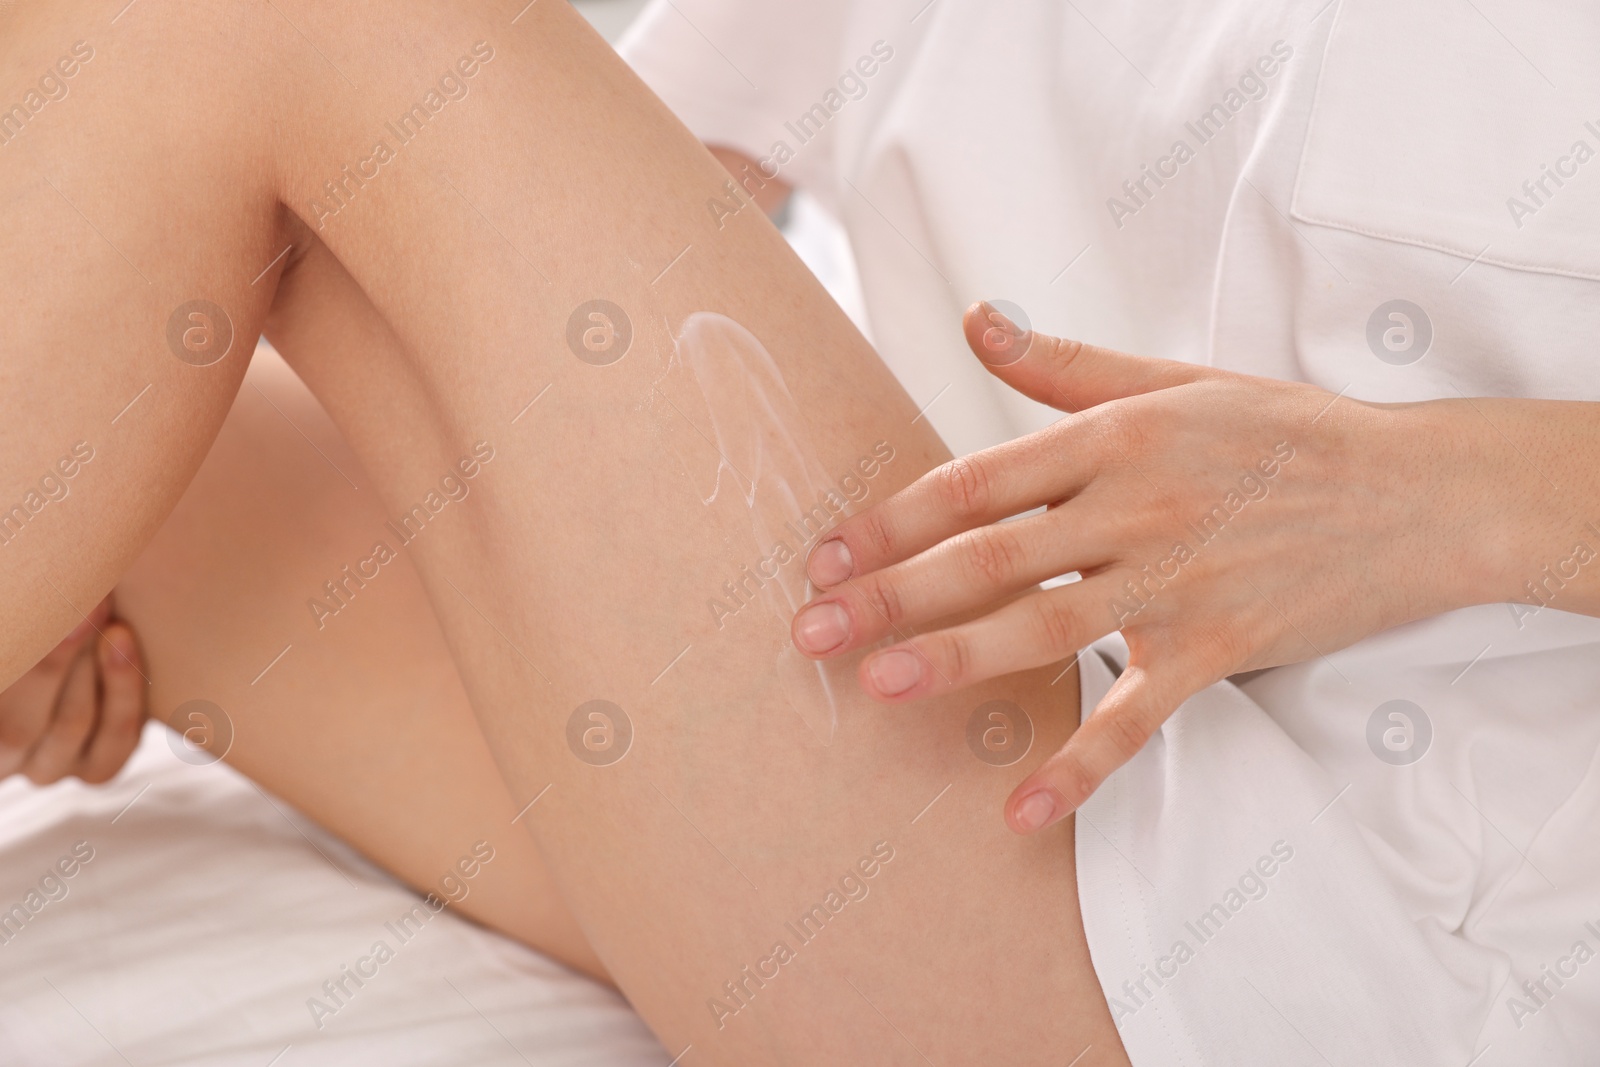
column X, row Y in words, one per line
column 210, row 914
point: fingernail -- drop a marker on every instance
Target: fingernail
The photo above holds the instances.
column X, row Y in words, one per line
column 821, row 628
column 1004, row 341
column 1036, row 810
column 995, row 317
column 830, row 563
column 895, row 671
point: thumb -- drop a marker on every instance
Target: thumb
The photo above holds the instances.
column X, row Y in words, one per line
column 1067, row 375
column 1136, row 706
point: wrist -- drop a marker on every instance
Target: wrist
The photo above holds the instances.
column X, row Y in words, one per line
column 1498, row 518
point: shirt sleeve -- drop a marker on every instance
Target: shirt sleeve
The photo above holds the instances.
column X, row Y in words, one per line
column 742, row 74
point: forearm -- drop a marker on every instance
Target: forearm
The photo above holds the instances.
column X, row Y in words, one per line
column 1519, row 482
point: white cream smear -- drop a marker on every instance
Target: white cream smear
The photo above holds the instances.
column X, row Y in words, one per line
column 745, row 411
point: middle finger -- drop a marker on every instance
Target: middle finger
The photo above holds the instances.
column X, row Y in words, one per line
column 968, row 571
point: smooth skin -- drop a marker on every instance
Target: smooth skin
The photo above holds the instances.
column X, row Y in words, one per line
column 1345, row 518
column 371, row 734
column 80, row 711
column 430, row 316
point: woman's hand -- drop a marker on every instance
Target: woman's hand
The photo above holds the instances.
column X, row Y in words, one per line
column 1222, row 522
column 80, row 710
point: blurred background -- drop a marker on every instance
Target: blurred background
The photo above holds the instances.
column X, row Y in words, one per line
column 811, row 230
column 610, row 17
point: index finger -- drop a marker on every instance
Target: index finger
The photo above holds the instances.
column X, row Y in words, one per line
column 1067, row 374
column 1044, row 467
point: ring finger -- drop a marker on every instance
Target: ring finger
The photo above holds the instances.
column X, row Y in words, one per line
column 1041, row 628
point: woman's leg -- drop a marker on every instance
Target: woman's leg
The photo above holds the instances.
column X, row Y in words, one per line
column 361, row 720
column 769, row 879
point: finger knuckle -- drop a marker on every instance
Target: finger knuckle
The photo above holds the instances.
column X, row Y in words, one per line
column 872, row 529
column 1073, row 780
column 965, row 487
column 994, row 556
column 1064, row 351
column 1119, row 429
column 1125, row 735
column 1217, row 646
column 952, row 657
column 883, row 598
column 1057, row 626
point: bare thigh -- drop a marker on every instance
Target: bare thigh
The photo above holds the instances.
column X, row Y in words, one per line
column 768, row 882
column 343, row 701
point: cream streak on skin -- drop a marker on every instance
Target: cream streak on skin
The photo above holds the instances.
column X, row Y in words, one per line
column 765, row 456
